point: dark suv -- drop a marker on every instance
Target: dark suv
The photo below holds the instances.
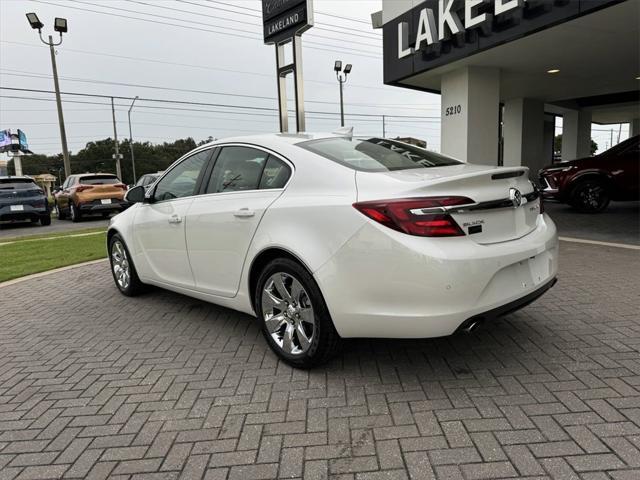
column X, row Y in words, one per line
column 22, row 199
column 589, row 184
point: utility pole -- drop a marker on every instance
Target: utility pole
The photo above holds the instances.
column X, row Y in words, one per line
column 60, row 26
column 341, row 75
column 133, row 160
column 611, row 141
column 115, row 138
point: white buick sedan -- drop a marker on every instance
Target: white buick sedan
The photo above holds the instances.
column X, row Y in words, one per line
column 325, row 236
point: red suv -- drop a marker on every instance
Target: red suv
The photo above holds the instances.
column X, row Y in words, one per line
column 589, row 184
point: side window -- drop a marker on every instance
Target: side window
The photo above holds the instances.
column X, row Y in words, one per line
column 237, row 169
column 276, row 174
column 181, row 180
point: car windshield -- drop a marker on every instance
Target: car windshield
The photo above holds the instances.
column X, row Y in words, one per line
column 17, row 184
column 376, row 154
column 99, row 180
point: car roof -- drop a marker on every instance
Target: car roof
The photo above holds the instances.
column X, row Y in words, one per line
column 16, row 177
column 274, row 139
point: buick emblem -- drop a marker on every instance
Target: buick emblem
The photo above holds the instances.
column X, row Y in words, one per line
column 515, row 196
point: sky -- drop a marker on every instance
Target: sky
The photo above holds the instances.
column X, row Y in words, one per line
column 202, row 51
column 194, row 51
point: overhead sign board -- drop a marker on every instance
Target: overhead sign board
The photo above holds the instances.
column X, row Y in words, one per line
column 22, row 140
column 282, row 19
column 438, row 32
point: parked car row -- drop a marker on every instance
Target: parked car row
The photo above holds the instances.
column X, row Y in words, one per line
column 22, row 200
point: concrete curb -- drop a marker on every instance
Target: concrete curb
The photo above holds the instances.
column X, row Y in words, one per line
column 49, row 272
column 597, row 242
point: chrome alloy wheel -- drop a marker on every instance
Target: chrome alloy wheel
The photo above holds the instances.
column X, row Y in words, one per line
column 120, row 265
column 288, row 313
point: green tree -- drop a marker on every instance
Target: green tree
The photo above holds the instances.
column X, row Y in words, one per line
column 96, row 156
column 557, row 146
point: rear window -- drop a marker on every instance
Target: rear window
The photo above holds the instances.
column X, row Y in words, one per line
column 17, row 184
column 99, row 180
column 376, row 154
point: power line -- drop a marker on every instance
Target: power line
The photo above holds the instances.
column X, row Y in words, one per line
column 22, row 73
column 257, row 25
column 185, row 102
column 361, row 53
column 217, row 69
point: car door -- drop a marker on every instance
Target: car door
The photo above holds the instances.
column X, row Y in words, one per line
column 159, row 225
column 221, row 223
column 630, row 164
column 63, row 196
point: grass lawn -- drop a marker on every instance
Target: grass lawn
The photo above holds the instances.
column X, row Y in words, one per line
column 28, row 256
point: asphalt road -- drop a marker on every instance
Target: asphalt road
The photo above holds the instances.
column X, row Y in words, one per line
column 620, row 223
column 25, row 229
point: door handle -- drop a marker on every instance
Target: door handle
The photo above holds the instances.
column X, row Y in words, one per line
column 175, row 219
column 244, row 213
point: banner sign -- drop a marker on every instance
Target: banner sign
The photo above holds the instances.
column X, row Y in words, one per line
column 282, row 19
column 5, row 140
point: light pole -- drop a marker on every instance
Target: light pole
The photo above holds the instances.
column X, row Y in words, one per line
column 133, row 160
column 341, row 75
column 60, row 26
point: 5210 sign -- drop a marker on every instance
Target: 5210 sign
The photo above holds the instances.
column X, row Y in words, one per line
column 454, row 110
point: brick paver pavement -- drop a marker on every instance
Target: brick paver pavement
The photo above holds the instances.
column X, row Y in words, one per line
column 96, row 385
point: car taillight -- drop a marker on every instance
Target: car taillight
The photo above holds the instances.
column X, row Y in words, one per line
column 82, row 188
column 423, row 217
column 121, row 185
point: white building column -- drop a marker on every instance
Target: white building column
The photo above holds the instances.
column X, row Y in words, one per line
column 523, row 131
column 576, row 134
column 470, row 114
column 634, row 127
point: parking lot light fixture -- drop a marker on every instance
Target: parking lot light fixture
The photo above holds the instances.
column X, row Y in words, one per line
column 341, row 75
column 34, row 21
column 60, row 25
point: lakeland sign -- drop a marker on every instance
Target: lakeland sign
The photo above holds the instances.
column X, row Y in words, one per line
column 282, row 19
column 438, row 32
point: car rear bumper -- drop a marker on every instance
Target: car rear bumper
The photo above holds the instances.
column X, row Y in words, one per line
column 27, row 213
column 97, row 206
column 382, row 283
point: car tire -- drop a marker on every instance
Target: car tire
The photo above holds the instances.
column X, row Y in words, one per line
column 123, row 270
column 61, row 214
column 590, row 196
column 45, row 220
column 295, row 322
column 74, row 212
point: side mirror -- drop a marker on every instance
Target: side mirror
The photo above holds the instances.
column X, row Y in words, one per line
column 135, row 194
column 57, row 189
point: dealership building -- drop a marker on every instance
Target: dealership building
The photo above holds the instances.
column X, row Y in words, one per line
column 507, row 68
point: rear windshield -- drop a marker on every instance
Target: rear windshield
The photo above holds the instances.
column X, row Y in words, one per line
column 376, row 154
column 17, row 184
column 99, row 180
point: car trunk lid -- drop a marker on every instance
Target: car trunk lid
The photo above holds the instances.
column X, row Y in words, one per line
column 495, row 216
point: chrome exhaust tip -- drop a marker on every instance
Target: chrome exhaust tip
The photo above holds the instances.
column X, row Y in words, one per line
column 472, row 327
